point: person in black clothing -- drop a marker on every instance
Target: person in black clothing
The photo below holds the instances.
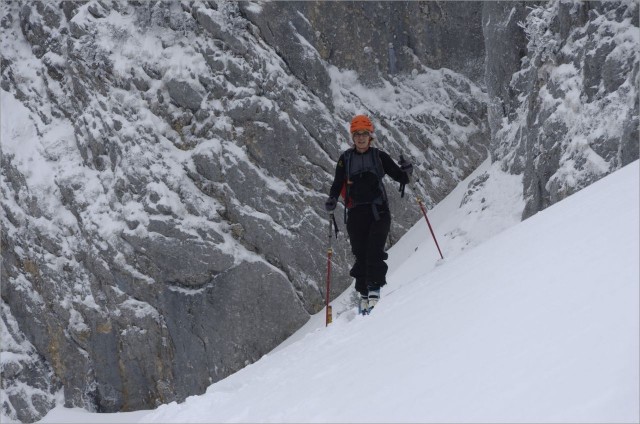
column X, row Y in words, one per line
column 358, row 178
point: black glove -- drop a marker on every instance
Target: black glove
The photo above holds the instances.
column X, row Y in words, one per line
column 330, row 204
column 405, row 166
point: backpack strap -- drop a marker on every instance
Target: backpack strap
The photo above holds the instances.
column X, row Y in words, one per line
column 380, row 172
column 347, row 173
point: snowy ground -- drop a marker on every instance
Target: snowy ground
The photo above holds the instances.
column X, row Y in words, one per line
column 521, row 322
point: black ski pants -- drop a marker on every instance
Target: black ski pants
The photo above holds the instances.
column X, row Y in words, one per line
column 368, row 236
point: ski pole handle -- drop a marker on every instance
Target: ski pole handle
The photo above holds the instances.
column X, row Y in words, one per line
column 332, row 217
column 402, row 186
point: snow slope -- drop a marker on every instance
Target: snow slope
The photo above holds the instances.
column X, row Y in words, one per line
column 538, row 323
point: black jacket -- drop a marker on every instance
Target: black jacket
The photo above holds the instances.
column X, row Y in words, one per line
column 364, row 182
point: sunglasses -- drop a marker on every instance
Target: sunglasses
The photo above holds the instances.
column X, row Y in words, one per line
column 361, row 134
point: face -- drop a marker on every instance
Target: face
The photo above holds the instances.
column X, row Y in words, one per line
column 362, row 139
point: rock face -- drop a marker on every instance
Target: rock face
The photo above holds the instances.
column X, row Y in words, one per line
column 567, row 114
column 165, row 164
column 375, row 39
column 164, row 170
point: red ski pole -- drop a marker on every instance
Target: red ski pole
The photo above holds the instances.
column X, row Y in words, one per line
column 424, row 212
column 329, row 316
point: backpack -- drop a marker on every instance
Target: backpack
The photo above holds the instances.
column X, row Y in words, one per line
column 374, row 166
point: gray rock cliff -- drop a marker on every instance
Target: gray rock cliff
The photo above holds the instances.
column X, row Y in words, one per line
column 164, row 169
column 563, row 80
column 165, row 164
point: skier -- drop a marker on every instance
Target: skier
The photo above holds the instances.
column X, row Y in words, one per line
column 358, row 178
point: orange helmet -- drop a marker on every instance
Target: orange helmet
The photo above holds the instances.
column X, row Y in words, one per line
column 361, row 122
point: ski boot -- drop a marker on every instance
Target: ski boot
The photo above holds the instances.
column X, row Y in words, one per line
column 363, row 305
column 374, row 296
